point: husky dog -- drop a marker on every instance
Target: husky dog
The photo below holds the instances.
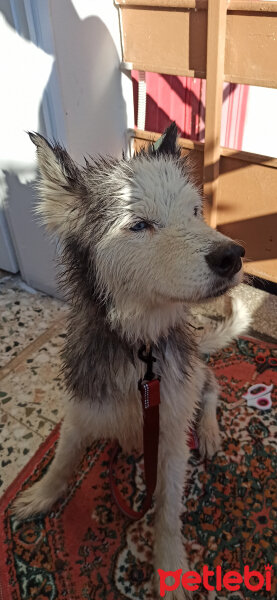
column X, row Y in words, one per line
column 136, row 254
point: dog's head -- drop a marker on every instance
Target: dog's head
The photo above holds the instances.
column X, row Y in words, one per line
column 134, row 228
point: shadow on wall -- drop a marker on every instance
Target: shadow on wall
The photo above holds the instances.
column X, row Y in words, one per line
column 86, row 77
column 37, row 254
column 95, row 111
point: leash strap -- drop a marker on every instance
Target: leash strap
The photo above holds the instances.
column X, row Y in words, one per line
column 150, row 397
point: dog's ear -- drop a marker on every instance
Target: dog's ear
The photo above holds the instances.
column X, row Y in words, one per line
column 167, row 143
column 61, row 185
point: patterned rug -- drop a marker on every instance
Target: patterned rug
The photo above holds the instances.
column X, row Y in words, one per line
column 85, row 549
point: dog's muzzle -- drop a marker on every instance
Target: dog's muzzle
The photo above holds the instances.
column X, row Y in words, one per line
column 225, row 259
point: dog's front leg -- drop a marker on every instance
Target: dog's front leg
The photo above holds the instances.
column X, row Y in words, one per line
column 169, row 551
column 208, row 428
column 44, row 493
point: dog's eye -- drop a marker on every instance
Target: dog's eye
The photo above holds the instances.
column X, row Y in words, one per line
column 195, row 211
column 140, row 226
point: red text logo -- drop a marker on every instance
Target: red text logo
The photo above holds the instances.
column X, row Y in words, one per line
column 231, row 580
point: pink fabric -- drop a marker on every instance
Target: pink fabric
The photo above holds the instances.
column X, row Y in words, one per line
column 182, row 99
column 233, row 115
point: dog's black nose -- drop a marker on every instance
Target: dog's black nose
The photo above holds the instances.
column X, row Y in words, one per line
column 225, row 260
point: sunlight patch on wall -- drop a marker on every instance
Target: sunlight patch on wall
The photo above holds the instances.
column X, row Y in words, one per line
column 24, row 72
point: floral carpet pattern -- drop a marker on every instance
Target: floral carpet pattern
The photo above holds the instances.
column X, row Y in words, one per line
column 84, row 549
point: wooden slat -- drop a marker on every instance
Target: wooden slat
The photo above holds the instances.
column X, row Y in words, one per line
column 250, row 157
column 151, row 136
column 232, row 5
column 165, row 41
column 253, row 6
column 215, row 72
column 246, row 211
column 172, row 39
column 251, row 49
column 188, row 4
column 268, row 83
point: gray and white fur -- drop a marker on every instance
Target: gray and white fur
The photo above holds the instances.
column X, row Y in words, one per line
column 136, row 254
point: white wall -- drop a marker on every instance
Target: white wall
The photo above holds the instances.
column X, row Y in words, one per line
column 60, row 75
column 260, row 129
column 24, row 72
column 97, row 100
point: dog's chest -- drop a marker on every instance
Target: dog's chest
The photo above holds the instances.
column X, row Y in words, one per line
column 102, row 369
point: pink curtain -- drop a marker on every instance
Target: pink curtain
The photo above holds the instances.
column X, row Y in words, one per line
column 182, row 99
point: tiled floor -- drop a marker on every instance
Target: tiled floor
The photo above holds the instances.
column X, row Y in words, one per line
column 31, row 393
column 24, row 316
column 31, row 388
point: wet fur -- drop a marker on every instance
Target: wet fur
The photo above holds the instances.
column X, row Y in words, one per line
column 126, row 288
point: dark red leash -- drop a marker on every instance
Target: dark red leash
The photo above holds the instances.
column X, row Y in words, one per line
column 150, row 396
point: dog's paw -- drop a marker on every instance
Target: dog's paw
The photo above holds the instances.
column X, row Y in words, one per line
column 209, row 438
column 34, row 500
column 174, row 561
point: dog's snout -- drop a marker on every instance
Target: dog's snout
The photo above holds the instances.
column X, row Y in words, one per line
column 225, row 260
